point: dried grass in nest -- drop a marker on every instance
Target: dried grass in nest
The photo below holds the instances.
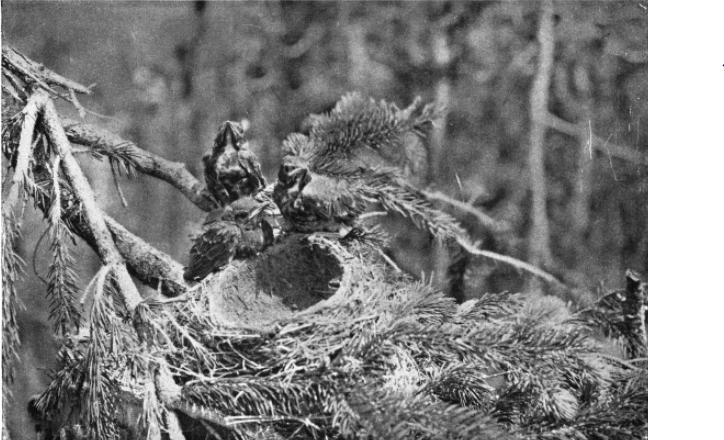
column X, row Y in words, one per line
column 380, row 356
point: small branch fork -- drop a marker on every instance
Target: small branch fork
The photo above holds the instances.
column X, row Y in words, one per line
column 35, row 73
column 174, row 173
column 117, row 247
column 107, row 251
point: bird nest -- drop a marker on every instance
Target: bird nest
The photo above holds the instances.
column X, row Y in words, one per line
column 299, row 272
column 318, row 337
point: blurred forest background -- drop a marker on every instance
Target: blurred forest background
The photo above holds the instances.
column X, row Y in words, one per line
column 168, row 73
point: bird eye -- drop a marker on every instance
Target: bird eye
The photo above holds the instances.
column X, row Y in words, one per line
column 284, row 173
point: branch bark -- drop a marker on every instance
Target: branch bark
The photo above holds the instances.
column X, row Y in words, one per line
column 25, row 146
column 146, row 263
column 117, row 247
column 106, row 247
column 38, row 74
column 539, row 237
column 484, row 219
column 174, row 173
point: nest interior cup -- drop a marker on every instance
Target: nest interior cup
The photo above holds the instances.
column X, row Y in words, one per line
column 287, row 278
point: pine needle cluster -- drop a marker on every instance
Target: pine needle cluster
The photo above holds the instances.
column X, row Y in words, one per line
column 356, row 123
column 12, row 268
column 363, row 143
column 385, row 357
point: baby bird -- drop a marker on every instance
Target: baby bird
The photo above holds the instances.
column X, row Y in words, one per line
column 231, row 170
column 316, row 202
column 235, row 231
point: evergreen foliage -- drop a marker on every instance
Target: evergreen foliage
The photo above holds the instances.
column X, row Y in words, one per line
column 384, row 357
column 12, row 268
column 360, row 144
column 62, row 289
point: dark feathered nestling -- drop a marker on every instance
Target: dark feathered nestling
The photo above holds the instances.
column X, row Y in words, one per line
column 350, row 160
column 235, row 231
column 317, row 202
column 231, row 170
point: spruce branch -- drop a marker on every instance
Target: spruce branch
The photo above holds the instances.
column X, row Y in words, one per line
column 106, row 247
column 98, row 397
column 12, row 266
column 148, row 264
column 27, row 119
column 355, row 149
column 62, row 288
column 12, row 269
column 129, row 155
column 356, row 123
column 35, row 73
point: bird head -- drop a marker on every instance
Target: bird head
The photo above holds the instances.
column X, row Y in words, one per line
column 231, row 135
column 294, row 173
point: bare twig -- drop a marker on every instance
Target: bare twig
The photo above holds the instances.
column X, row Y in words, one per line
column 77, row 105
column 35, row 254
column 107, row 250
column 617, row 151
column 484, row 219
column 511, row 261
column 41, row 75
column 174, row 173
column 25, row 146
column 253, row 419
column 119, row 190
column 308, row 40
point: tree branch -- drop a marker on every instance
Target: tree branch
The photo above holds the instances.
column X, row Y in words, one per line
column 483, row 218
column 37, row 73
column 148, row 264
column 618, row 151
column 123, row 251
column 25, row 147
column 472, row 250
column 106, row 247
column 174, row 173
column 151, row 266
column 539, row 236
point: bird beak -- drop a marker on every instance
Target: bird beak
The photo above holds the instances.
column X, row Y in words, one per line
column 295, row 172
column 229, row 136
column 301, row 178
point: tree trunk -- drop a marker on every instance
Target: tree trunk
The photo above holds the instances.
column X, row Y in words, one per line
column 583, row 182
column 442, row 56
column 539, row 238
